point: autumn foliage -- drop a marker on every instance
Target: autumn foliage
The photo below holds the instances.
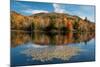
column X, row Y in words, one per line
column 51, row 22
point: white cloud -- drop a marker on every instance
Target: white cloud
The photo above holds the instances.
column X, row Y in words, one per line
column 31, row 11
column 39, row 11
column 58, row 9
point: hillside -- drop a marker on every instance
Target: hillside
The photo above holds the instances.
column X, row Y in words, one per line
column 50, row 22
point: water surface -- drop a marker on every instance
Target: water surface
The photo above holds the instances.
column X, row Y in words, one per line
column 33, row 48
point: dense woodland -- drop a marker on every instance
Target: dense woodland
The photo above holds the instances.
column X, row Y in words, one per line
column 51, row 22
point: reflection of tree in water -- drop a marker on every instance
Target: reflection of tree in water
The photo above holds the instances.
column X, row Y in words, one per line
column 51, row 52
column 19, row 38
column 42, row 38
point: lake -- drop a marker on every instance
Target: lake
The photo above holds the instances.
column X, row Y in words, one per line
column 37, row 48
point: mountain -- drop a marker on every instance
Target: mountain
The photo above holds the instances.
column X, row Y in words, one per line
column 50, row 22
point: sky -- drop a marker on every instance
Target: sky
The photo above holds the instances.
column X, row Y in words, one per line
column 29, row 8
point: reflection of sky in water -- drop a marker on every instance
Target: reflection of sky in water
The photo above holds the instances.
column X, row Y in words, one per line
column 27, row 53
column 32, row 54
column 48, row 53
